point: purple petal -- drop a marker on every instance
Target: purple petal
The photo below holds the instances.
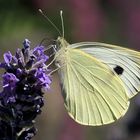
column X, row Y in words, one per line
column 14, row 60
column 39, row 50
column 3, row 65
column 39, row 53
column 42, row 77
column 19, row 72
column 7, row 57
column 9, row 79
column 44, row 57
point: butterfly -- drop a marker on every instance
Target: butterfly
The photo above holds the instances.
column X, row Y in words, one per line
column 97, row 79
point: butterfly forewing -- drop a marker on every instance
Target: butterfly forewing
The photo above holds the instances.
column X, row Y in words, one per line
column 125, row 62
column 94, row 95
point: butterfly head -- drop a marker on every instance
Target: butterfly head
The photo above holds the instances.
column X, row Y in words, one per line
column 62, row 43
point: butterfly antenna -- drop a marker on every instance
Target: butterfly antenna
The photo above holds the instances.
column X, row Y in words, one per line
column 50, row 22
column 62, row 23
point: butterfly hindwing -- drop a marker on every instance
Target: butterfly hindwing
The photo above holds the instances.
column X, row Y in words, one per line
column 125, row 62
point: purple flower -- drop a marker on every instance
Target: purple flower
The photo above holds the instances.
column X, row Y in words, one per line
column 42, row 78
column 24, row 82
column 39, row 53
column 9, row 79
column 7, row 57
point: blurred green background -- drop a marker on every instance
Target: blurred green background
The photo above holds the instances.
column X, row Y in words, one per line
column 114, row 22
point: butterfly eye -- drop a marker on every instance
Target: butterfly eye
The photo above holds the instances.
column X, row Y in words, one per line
column 54, row 42
column 119, row 70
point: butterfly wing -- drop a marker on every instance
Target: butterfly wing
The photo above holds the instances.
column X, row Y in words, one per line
column 125, row 62
column 93, row 94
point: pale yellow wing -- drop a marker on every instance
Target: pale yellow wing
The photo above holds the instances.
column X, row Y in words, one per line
column 121, row 60
column 93, row 94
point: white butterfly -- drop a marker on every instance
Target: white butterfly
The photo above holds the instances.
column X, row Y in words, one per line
column 98, row 79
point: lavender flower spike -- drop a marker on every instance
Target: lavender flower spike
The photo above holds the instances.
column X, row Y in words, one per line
column 24, row 82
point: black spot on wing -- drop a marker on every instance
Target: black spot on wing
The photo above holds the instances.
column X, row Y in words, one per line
column 119, row 70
